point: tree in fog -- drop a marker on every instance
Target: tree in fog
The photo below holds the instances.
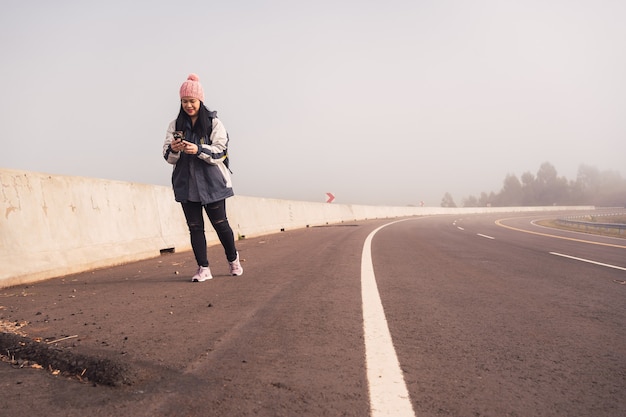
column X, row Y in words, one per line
column 591, row 187
column 511, row 193
column 528, row 189
column 485, row 200
column 612, row 191
column 470, row 201
column 447, row 201
column 598, row 188
column 550, row 189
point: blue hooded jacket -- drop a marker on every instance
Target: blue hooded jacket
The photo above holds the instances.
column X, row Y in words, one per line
column 202, row 177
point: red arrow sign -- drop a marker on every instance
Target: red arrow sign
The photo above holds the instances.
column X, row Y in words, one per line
column 331, row 197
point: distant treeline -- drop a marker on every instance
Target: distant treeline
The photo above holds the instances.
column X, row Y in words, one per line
column 546, row 188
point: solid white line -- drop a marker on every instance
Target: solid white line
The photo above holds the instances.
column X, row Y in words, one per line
column 388, row 393
column 488, row 237
column 587, row 260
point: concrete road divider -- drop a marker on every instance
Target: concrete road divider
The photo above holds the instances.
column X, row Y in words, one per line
column 54, row 225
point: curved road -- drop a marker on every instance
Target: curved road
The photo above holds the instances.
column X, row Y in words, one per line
column 487, row 319
column 481, row 315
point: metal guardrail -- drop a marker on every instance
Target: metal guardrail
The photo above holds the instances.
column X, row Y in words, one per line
column 613, row 228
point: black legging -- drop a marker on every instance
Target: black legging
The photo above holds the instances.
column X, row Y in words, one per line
column 195, row 221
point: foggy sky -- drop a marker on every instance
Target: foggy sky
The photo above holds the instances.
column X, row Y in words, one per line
column 385, row 103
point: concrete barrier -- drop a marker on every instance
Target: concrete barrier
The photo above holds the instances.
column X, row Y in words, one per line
column 53, row 225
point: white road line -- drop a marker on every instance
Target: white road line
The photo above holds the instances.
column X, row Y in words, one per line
column 588, row 261
column 388, row 393
column 488, row 237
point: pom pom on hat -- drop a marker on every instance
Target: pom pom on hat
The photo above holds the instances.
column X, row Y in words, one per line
column 192, row 88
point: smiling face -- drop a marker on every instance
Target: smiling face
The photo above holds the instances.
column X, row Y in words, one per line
column 191, row 106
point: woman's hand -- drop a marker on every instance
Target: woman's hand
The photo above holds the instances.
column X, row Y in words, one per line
column 190, row 148
column 177, row 145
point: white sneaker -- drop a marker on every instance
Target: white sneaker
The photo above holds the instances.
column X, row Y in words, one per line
column 235, row 267
column 203, row 274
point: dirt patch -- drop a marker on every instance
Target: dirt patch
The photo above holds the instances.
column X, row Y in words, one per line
column 22, row 352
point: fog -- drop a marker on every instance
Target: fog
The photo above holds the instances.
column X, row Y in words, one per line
column 385, row 103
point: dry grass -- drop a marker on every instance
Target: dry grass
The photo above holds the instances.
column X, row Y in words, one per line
column 12, row 327
column 595, row 231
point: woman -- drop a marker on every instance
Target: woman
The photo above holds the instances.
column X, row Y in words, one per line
column 196, row 144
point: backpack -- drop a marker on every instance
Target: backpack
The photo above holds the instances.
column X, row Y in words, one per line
column 212, row 115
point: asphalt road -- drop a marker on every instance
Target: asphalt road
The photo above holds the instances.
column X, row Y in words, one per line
column 482, row 316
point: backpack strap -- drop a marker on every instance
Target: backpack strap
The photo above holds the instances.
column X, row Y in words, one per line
column 213, row 115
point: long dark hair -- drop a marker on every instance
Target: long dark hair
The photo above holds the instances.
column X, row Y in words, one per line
column 202, row 128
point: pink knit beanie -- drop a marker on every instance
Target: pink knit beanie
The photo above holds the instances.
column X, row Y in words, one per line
column 192, row 88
